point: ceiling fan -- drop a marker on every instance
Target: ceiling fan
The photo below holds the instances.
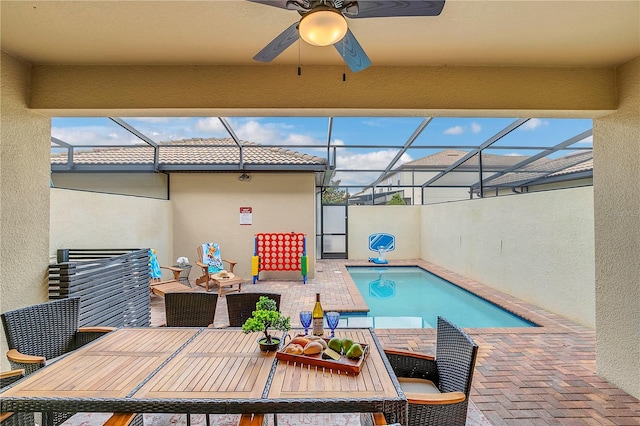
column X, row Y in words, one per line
column 323, row 23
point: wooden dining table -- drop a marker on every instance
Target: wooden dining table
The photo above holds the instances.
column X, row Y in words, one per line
column 203, row 370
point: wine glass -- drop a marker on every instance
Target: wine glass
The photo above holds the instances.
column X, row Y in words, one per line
column 305, row 320
column 332, row 321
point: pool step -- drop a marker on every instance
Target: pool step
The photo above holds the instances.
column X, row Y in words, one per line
column 383, row 322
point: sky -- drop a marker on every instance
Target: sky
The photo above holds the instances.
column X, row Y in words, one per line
column 347, row 134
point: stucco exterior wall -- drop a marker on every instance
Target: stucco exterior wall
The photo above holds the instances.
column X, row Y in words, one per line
column 207, row 209
column 403, row 222
column 90, row 220
column 616, row 146
column 24, row 194
column 152, row 185
column 537, row 247
column 247, row 90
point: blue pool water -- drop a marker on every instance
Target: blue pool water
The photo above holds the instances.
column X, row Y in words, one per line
column 410, row 297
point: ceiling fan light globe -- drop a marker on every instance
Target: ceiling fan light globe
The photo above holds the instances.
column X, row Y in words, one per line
column 322, row 27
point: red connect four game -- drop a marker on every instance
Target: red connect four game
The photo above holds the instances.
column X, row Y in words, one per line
column 279, row 252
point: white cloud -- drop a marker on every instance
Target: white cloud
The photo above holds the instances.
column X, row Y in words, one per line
column 372, row 160
column 273, row 133
column 476, row 128
column 456, row 130
column 254, row 131
column 298, row 139
column 533, row 124
column 211, row 125
column 94, row 135
column 588, row 141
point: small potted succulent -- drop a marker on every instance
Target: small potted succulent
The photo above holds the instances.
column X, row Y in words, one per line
column 267, row 316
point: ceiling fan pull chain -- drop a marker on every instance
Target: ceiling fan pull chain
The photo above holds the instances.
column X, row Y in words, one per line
column 299, row 67
column 344, row 64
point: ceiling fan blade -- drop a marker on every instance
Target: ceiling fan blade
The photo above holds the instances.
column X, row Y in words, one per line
column 382, row 8
column 282, row 4
column 302, row 6
column 278, row 44
column 352, row 52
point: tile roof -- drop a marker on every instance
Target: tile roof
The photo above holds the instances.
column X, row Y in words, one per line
column 195, row 151
column 582, row 167
column 447, row 157
column 572, row 163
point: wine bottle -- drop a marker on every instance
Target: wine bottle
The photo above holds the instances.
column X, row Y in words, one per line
column 318, row 317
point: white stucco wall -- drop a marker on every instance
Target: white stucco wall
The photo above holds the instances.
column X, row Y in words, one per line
column 537, row 247
column 207, row 209
column 24, row 194
column 91, row 220
column 616, row 143
column 403, row 222
column 152, row 185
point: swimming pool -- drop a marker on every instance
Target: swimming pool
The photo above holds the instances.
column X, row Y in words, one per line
column 410, row 297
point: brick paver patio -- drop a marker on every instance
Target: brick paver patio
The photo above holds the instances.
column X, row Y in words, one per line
column 533, row 376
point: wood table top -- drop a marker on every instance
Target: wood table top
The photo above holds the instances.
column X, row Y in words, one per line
column 295, row 380
column 111, row 367
column 223, row 364
column 202, row 370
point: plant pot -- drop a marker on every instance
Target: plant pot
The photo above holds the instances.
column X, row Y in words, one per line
column 268, row 347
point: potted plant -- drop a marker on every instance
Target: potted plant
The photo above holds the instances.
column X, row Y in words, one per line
column 267, row 316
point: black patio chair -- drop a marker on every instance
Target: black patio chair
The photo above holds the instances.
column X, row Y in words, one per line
column 38, row 334
column 192, row 309
column 240, row 306
column 14, row 419
column 437, row 387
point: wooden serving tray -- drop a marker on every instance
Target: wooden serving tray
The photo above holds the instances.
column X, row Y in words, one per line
column 351, row 366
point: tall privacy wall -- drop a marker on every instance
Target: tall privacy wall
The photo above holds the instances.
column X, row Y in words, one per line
column 207, row 209
column 81, row 220
column 538, row 247
column 403, row 222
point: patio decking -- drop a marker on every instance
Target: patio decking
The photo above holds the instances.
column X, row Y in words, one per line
column 538, row 376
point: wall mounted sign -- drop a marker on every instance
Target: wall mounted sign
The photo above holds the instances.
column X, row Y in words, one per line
column 246, row 215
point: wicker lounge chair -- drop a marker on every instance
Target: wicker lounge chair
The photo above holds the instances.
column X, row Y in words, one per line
column 190, row 309
column 40, row 333
column 240, row 306
column 437, row 387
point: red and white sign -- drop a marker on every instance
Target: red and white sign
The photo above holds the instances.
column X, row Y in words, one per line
column 246, row 215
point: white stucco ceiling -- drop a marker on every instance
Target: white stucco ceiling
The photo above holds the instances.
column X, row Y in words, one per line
column 527, row 33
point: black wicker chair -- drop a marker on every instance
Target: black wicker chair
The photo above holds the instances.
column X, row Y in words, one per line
column 193, row 309
column 241, row 305
column 40, row 333
column 437, row 387
column 14, row 419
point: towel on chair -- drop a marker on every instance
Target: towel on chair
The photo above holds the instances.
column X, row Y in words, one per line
column 154, row 267
column 211, row 257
